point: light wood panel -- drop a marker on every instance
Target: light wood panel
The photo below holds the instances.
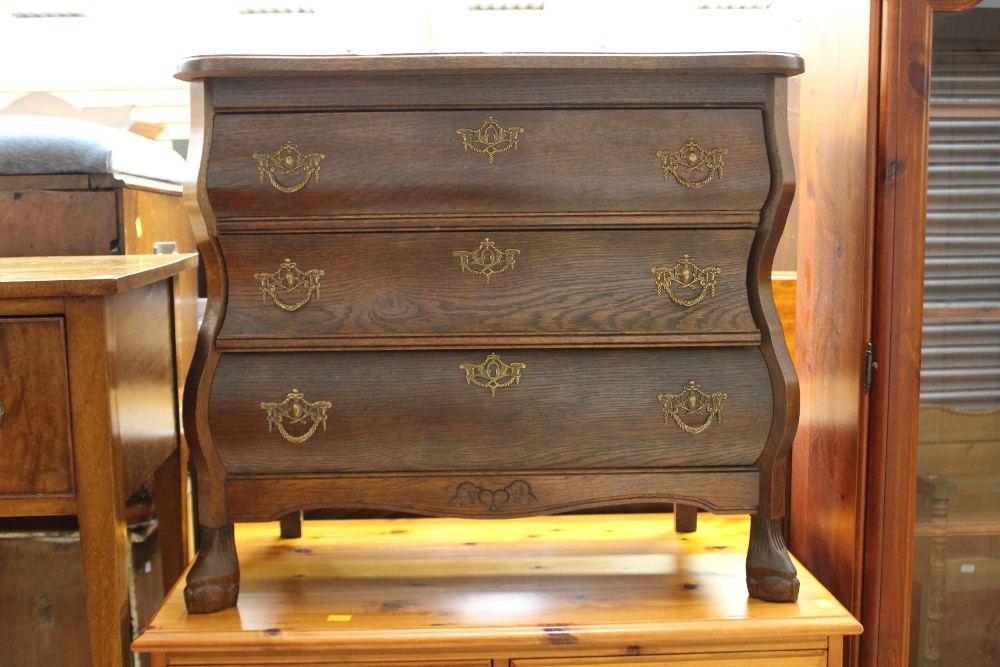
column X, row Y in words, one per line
column 25, row 277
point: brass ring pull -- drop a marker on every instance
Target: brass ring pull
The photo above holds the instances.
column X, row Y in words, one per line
column 289, row 161
column 286, row 280
column 692, row 401
column 685, row 275
column 493, row 374
column 487, row 260
column 297, row 410
column 692, row 159
column 491, row 138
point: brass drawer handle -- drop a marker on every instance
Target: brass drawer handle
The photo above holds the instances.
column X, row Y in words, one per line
column 289, row 161
column 692, row 401
column 690, row 160
column 685, row 275
column 286, row 280
column 491, row 138
column 297, row 410
column 468, row 494
column 487, row 260
column 493, row 374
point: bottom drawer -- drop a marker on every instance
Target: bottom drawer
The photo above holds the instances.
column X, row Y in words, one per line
column 754, row 659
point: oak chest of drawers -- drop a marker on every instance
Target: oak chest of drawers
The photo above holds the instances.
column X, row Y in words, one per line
column 489, row 286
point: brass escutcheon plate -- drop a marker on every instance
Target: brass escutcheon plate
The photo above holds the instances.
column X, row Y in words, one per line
column 692, row 402
column 490, row 139
column 692, row 166
column 288, row 162
column 289, row 280
column 685, row 275
column 487, row 260
column 296, row 410
column 493, row 374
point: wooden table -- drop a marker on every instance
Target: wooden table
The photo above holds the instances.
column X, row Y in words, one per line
column 88, row 410
column 565, row 591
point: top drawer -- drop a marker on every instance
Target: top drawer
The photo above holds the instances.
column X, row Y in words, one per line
column 487, row 161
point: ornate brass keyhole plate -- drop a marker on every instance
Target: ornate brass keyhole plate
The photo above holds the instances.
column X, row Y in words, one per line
column 490, row 139
column 692, row 166
column 692, row 402
column 296, row 410
column 289, row 280
column 686, row 276
column 487, row 260
column 286, row 163
column 493, row 374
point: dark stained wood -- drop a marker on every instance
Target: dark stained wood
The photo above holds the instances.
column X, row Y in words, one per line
column 232, row 66
column 770, row 573
column 36, row 455
column 565, row 161
column 685, row 518
column 291, row 525
column 50, row 222
column 572, row 409
column 213, row 582
column 566, row 283
column 403, row 425
column 836, row 167
column 492, row 495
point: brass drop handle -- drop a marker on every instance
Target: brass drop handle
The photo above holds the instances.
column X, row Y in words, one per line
column 288, row 161
column 289, row 280
column 685, row 275
column 296, row 410
column 486, row 260
column 691, row 160
column 692, row 401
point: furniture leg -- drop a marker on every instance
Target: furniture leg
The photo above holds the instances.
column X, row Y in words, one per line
column 770, row 573
column 291, row 526
column 685, row 518
column 213, row 583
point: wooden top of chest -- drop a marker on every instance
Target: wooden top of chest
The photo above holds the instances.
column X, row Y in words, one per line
column 583, row 584
column 25, row 277
column 702, row 63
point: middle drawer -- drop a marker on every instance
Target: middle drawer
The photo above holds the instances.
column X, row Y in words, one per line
column 680, row 285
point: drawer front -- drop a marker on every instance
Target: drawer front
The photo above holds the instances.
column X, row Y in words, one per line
column 35, row 453
column 497, row 410
column 677, row 283
column 750, row 659
column 466, row 162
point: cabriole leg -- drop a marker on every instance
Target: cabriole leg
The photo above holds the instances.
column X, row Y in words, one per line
column 213, row 584
column 770, row 573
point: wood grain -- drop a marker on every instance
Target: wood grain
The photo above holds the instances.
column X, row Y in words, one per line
column 29, row 277
column 571, row 409
column 36, row 454
column 40, row 223
column 836, row 163
column 622, row 589
column 263, row 498
column 380, row 163
column 565, row 283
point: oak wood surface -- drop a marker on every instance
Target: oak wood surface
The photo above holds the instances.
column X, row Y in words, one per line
column 39, row 223
column 265, row 498
column 570, row 409
column 31, row 277
column 36, row 454
column 675, row 63
column 380, row 163
column 430, row 590
column 565, row 283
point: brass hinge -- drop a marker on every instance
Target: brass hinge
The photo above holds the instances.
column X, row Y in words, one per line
column 870, row 366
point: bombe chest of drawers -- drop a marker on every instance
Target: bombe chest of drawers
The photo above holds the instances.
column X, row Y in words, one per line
column 489, row 286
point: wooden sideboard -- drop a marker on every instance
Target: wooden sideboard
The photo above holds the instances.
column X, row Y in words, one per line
column 88, row 409
column 489, row 286
column 566, row 591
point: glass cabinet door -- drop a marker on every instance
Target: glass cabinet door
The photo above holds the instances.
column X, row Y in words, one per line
column 956, row 561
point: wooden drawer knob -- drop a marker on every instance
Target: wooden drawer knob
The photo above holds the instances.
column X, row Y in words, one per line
column 692, row 402
column 691, row 165
column 290, row 165
column 287, row 281
column 685, row 275
column 296, row 410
